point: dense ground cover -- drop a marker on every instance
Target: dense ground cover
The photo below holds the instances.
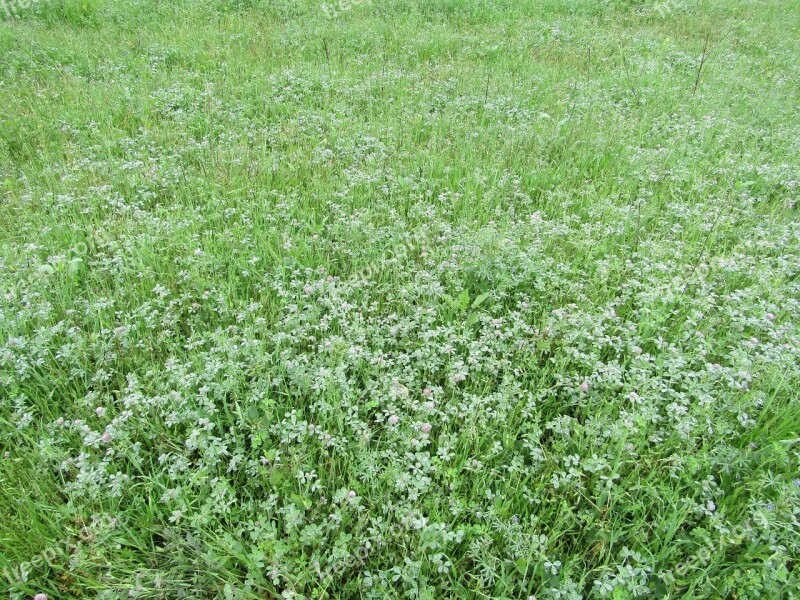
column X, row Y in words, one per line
column 419, row 299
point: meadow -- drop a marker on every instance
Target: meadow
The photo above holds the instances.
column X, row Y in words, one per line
column 399, row 299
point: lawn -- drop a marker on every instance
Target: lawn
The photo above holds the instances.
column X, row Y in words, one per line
column 399, row 299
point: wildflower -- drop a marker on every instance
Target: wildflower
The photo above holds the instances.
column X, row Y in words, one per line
column 105, row 438
column 40, row 596
column 427, row 392
column 426, row 427
column 459, row 377
column 585, row 386
column 711, row 506
column 394, row 420
column 351, row 494
column 429, row 405
column 770, row 317
column 100, row 411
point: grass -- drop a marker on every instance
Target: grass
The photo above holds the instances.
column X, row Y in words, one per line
column 394, row 299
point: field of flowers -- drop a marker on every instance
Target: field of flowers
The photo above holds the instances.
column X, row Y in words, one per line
column 399, row 299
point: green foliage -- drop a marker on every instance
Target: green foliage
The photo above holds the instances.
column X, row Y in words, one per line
column 384, row 298
column 77, row 13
